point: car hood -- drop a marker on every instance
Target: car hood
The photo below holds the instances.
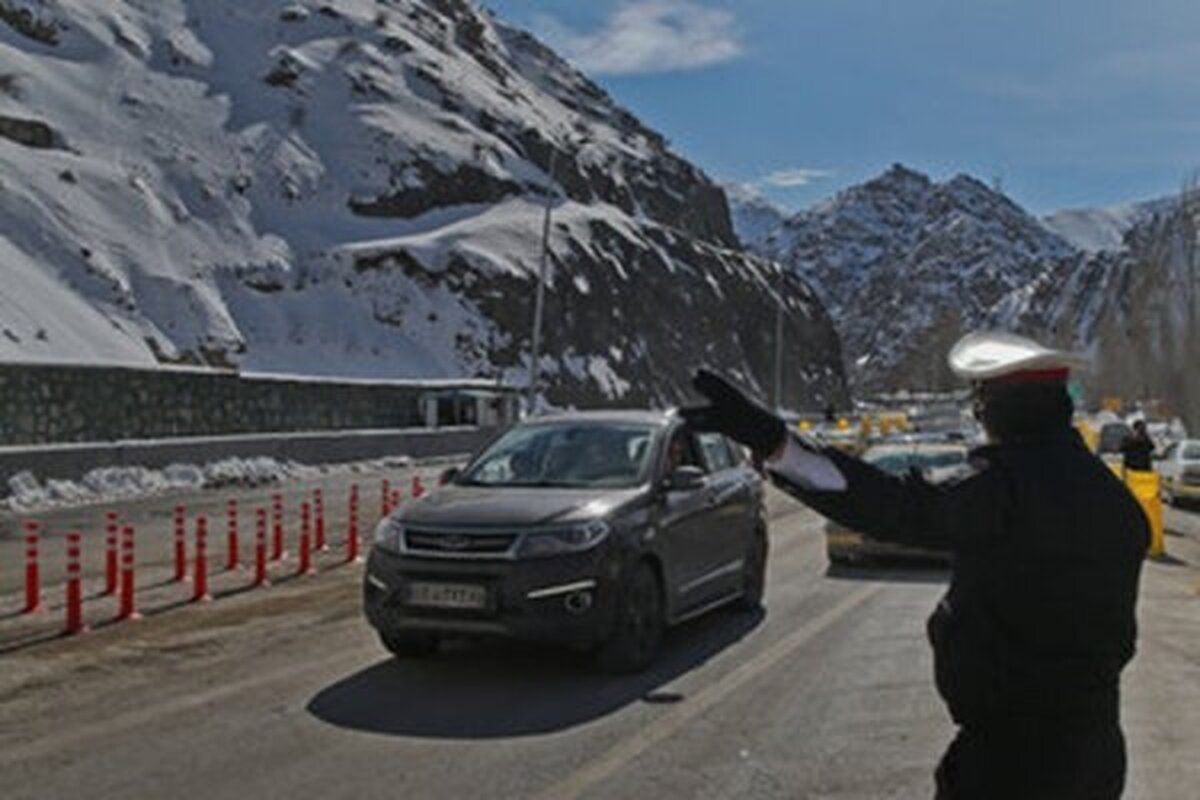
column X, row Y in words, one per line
column 484, row 506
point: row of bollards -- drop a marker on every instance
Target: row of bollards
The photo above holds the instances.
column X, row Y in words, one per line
column 119, row 561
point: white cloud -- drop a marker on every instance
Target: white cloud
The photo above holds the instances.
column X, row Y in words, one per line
column 649, row 36
column 794, row 176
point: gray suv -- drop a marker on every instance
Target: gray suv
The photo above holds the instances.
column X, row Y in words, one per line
column 595, row 529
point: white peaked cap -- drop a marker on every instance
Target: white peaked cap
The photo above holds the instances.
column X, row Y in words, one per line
column 985, row 355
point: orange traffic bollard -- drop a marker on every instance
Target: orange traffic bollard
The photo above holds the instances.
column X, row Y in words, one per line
column 276, row 527
column 352, row 530
column 180, row 545
column 111, row 573
column 231, row 544
column 74, row 589
column 305, row 566
column 319, row 514
column 260, row 548
column 200, row 592
column 33, row 575
column 127, row 610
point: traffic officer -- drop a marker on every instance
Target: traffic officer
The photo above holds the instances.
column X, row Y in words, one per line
column 1039, row 619
column 1137, row 451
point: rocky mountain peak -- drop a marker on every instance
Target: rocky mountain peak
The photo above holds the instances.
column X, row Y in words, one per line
column 901, row 260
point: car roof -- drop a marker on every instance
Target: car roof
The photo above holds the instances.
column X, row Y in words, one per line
column 643, row 416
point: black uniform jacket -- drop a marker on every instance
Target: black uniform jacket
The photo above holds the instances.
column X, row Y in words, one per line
column 1048, row 544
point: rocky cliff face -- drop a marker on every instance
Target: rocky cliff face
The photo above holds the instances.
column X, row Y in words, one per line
column 357, row 187
column 905, row 265
column 1135, row 308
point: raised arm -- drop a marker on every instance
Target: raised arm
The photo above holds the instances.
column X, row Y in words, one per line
column 906, row 510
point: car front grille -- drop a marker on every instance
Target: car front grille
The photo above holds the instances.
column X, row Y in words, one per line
column 458, row 544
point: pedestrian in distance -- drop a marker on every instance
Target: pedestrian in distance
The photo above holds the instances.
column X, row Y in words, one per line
column 1038, row 621
column 1137, row 451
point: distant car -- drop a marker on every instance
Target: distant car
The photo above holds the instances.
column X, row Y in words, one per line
column 1179, row 472
column 1112, row 436
column 937, row 462
column 849, row 440
column 596, row 529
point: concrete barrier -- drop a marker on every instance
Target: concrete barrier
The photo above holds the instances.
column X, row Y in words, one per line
column 73, row 461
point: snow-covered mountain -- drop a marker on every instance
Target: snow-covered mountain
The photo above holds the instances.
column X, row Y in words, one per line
column 1096, row 230
column 1148, row 344
column 1135, row 308
column 755, row 217
column 356, row 187
column 905, row 265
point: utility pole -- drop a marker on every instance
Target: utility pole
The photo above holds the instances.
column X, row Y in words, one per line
column 540, row 298
column 777, row 383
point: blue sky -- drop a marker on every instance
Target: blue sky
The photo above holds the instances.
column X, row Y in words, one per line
column 1068, row 102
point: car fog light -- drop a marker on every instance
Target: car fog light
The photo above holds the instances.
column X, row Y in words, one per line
column 578, row 602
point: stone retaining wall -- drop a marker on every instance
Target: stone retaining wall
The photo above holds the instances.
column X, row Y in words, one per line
column 42, row 404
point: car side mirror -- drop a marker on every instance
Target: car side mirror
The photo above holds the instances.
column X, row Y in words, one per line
column 448, row 475
column 685, row 479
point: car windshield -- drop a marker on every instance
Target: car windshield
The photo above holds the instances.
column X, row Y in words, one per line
column 565, row 454
column 899, row 463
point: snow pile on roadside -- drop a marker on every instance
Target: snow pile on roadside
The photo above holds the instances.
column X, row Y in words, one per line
column 27, row 493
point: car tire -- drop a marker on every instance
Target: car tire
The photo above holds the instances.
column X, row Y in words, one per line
column 754, row 576
column 840, row 560
column 638, row 626
column 410, row 644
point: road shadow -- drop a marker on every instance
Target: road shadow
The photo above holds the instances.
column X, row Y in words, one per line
column 885, row 572
column 1168, row 559
column 491, row 689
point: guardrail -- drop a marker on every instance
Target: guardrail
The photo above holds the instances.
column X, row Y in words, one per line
column 73, row 461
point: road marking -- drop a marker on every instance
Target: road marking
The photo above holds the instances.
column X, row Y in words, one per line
column 619, row 756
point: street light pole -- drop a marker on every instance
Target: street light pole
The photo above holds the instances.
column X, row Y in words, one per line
column 777, row 387
column 540, row 298
column 779, row 340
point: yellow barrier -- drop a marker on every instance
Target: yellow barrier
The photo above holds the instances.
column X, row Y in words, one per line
column 1145, row 487
column 1091, row 436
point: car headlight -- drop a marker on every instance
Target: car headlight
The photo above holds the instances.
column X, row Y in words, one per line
column 567, row 539
column 389, row 534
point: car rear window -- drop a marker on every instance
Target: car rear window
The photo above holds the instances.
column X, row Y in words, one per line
column 1112, row 436
column 900, row 463
column 1191, row 452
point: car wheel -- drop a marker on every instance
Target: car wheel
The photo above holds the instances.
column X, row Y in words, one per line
column 638, row 627
column 839, row 559
column 754, row 577
column 410, row 644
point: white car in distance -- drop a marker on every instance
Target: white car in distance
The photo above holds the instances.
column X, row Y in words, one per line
column 1179, row 471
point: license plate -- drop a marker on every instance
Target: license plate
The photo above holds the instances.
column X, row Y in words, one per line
column 447, row 595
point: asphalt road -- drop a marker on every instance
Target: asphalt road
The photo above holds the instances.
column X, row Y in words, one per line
column 284, row 693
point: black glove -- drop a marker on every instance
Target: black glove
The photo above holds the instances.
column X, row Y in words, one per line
column 734, row 414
